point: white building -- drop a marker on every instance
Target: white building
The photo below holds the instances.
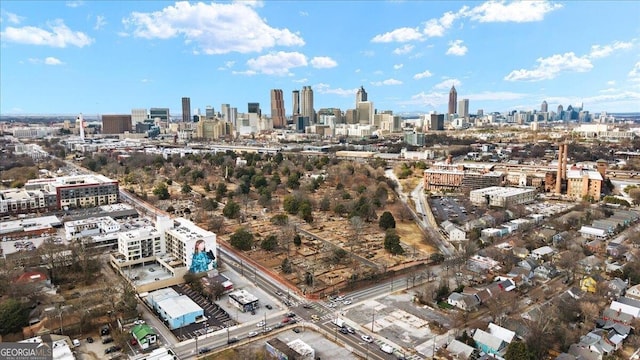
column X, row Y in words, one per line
column 89, row 227
column 140, row 243
column 180, row 236
column 502, row 196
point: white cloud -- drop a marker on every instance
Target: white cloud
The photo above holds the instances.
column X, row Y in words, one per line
column 217, row 28
column 59, row 36
column 323, row 62
column 433, row 99
column 398, row 66
column 634, row 74
column 303, row 13
column 387, row 82
column 405, row 49
column 516, row 11
column 301, row 81
column 456, row 48
column 144, row 81
column 611, row 82
column 246, row 72
column 599, row 51
column 368, row 53
column 74, row 4
column 433, row 28
column 52, row 61
column 550, row 67
column 326, row 89
column 357, row 71
column 403, row 34
column 609, row 90
column 446, row 84
column 11, row 17
column 101, row 21
column 277, row 63
column 47, row 61
column 422, row 75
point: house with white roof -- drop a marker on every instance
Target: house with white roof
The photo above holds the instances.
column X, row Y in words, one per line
column 498, row 331
column 488, row 343
column 626, row 305
column 589, row 232
column 542, row 252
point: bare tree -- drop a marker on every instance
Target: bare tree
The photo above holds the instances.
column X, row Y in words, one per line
column 357, row 224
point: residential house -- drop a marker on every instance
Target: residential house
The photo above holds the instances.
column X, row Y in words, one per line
column 504, row 334
column 590, row 264
column 529, row 264
column 463, row 301
column 545, row 271
column 616, row 250
column 454, row 232
column 589, row 232
column 633, row 292
column 546, row 235
column 616, row 287
column 460, row 350
column 596, row 246
column 520, row 252
column 583, row 353
column 506, row 285
column 543, row 253
column 561, row 238
column 144, row 335
column 627, row 305
column 588, row 284
column 477, row 263
column 520, row 275
column 489, row 343
column 617, row 316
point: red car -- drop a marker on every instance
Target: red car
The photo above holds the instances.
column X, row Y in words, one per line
column 286, row 320
column 133, row 342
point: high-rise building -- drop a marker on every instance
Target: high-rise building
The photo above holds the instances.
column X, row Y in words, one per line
column 116, row 124
column 295, row 105
column 224, row 109
column 277, row 109
column 254, row 108
column 463, row 108
column 159, row 114
column 209, row 112
column 306, row 104
column 365, row 112
column 186, row 109
column 138, row 116
column 544, row 107
column 436, row 122
column 453, row 99
column 361, row 95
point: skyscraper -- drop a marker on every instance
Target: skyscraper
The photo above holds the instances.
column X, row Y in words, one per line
column 254, row 108
column 277, row 109
column 138, row 116
column 225, row 111
column 295, row 106
column 186, row 109
column 463, row 108
column 306, row 104
column 361, row 95
column 544, row 107
column 453, row 99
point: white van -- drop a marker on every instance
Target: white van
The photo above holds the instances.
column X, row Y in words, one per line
column 76, row 342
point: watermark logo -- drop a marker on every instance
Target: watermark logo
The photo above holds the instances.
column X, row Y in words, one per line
column 25, row 351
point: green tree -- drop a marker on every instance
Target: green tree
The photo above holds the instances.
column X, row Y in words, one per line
column 186, row 188
column 305, row 212
column 269, row 243
column 517, row 350
column 387, row 221
column 242, row 239
column 161, row 191
column 297, row 240
column 290, row 204
column 280, row 219
column 14, row 315
column 286, row 266
column 392, row 242
column 231, row 210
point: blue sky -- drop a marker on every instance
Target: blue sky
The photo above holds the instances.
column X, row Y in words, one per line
column 101, row 57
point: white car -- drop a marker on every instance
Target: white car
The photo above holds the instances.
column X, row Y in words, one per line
column 386, row 348
column 366, row 338
column 261, row 324
column 347, row 302
column 253, row 333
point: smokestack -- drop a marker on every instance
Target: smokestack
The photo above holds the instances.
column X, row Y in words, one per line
column 565, row 162
column 559, row 172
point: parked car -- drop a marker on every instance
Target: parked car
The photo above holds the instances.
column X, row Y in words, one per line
column 291, row 315
column 204, row 350
column 133, row 342
column 269, row 307
column 279, row 293
column 105, row 330
column 344, row 330
column 307, row 306
column 350, row 330
column 233, row 340
column 261, row 323
column 253, row 333
column 90, row 340
column 107, row 340
column 112, row 349
column 267, row 329
column 76, row 342
column 286, row 320
column 296, row 330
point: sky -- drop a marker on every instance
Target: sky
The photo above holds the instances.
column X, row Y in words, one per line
column 108, row 57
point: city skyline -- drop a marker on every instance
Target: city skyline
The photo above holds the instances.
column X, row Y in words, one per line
column 96, row 58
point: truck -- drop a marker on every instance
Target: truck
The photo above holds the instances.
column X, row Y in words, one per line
column 338, row 322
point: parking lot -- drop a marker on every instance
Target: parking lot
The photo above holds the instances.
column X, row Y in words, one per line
column 453, row 209
column 217, row 318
